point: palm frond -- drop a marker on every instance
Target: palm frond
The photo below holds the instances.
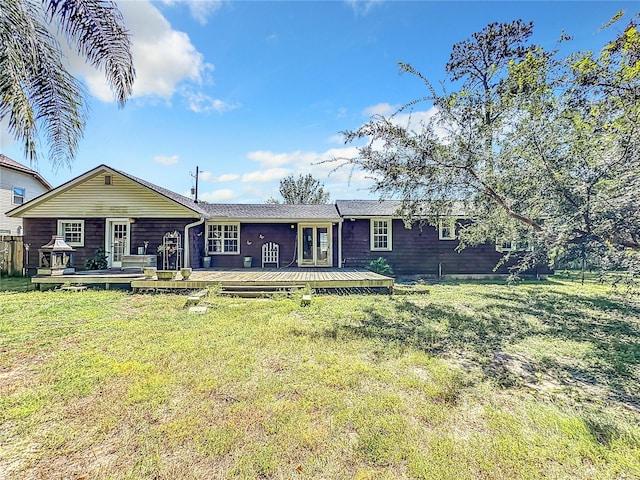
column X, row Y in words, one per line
column 35, row 88
column 97, row 29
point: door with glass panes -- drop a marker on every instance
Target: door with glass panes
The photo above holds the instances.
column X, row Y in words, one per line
column 117, row 241
column 314, row 245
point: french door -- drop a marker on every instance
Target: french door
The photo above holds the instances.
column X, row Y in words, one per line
column 314, row 246
column 118, row 242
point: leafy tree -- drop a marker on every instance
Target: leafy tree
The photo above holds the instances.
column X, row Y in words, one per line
column 531, row 146
column 36, row 90
column 305, row 190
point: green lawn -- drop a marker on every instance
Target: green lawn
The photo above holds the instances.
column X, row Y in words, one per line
column 467, row 381
column 16, row 284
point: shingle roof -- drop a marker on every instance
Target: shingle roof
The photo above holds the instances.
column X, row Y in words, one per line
column 13, row 165
column 386, row 208
column 271, row 211
column 368, row 208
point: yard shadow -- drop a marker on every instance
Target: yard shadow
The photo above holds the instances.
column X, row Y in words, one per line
column 587, row 346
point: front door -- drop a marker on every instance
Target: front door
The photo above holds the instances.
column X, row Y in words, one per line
column 118, row 242
column 315, row 245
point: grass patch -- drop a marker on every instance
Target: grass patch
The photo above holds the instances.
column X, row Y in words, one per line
column 469, row 381
column 15, row 284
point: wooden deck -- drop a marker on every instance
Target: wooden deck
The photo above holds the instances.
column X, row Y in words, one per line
column 269, row 277
column 324, row 278
column 97, row 277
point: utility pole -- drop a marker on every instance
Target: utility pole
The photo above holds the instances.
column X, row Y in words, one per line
column 195, row 190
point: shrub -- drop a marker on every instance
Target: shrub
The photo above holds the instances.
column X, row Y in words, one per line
column 381, row 266
column 98, row 262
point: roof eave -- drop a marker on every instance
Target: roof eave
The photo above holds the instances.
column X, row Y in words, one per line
column 274, row 220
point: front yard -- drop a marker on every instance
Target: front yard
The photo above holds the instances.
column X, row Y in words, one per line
column 466, row 381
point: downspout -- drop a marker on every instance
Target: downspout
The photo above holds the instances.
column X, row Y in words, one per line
column 186, row 240
column 340, row 243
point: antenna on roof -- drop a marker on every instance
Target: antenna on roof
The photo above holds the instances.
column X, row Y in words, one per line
column 194, row 191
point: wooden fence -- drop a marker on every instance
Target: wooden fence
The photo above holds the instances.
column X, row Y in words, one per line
column 11, row 255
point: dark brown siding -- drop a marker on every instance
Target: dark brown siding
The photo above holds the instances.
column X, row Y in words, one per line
column 280, row 233
column 417, row 251
column 38, row 232
column 152, row 230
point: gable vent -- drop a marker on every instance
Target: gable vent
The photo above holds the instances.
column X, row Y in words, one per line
column 107, row 179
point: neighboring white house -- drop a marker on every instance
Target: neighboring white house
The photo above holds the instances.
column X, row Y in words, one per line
column 18, row 184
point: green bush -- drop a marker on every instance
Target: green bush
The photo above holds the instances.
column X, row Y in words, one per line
column 98, row 262
column 381, row 266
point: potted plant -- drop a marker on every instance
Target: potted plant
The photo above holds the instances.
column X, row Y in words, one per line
column 247, row 262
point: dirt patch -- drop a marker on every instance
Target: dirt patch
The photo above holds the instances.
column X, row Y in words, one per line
column 20, row 374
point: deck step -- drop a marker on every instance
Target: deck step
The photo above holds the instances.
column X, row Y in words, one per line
column 256, row 291
column 261, row 287
column 73, row 288
column 253, row 294
column 194, row 298
column 201, row 310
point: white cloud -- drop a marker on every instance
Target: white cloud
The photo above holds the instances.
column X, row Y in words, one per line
column 200, row 102
column 226, row 177
column 407, row 118
column 200, row 10
column 269, row 175
column 362, row 7
column 337, row 139
column 269, row 159
column 380, row 109
column 165, row 160
column 256, row 186
column 163, row 57
column 318, row 164
column 218, row 196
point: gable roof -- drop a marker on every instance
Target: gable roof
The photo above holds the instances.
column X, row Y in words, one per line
column 181, row 199
column 271, row 211
column 368, row 208
column 11, row 164
column 172, row 196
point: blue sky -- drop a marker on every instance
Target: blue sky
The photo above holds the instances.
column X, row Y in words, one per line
column 254, row 91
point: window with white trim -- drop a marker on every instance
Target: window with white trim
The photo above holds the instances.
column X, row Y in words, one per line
column 380, row 234
column 506, row 244
column 223, row 238
column 447, row 229
column 18, row 195
column 72, row 231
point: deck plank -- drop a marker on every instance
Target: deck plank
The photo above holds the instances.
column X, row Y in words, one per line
column 200, row 278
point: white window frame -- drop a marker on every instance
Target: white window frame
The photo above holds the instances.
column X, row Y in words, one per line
column 14, row 195
column 375, row 235
column 447, row 229
column 505, row 244
column 63, row 232
column 224, row 238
